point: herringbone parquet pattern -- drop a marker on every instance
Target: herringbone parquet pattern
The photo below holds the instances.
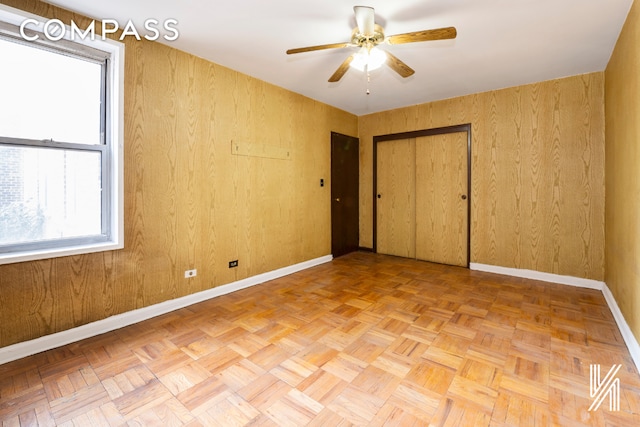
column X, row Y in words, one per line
column 363, row 340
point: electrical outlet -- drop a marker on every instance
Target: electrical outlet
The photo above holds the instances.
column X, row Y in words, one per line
column 233, row 263
column 190, row 273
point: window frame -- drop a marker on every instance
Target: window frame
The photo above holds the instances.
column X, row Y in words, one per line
column 110, row 54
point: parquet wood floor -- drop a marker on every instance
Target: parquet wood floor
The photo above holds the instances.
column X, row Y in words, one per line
column 363, row 340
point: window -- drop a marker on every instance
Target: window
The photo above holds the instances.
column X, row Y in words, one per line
column 60, row 143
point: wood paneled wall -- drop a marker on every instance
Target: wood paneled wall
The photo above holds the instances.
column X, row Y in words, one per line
column 188, row 202
column 537, row 172
column 622, row 213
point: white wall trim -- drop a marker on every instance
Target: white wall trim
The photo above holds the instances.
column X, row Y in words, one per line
column 48, row 342
column 623, row 326
column 625, row 330
column 539, row 275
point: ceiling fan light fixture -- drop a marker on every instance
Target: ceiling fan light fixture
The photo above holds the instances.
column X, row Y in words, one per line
column 367, row 35
column 370, row 59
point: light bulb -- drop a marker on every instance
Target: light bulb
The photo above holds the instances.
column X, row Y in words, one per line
column 372, row 58
column 376, row 58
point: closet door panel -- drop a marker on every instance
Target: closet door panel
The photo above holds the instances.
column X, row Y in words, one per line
column 441, row 198
column 395, row 198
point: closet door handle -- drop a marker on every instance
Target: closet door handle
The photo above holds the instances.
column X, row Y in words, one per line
column 464, row 197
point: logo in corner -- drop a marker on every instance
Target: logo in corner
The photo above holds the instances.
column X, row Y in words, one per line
column 600, row 388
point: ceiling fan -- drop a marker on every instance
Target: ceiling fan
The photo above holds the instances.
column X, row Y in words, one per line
column 367, row 35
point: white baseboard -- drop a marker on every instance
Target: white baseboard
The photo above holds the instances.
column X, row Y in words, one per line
column 539, row 275
column 625, row 330
column 48, row 342
column 623, row 326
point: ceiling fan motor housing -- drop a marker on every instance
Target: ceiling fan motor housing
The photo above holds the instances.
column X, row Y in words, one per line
column 360, row 39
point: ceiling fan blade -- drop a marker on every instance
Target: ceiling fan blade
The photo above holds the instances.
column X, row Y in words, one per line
column 319, row 47
column 365, row 18
column 398, row 66
column 341, row 69
column 423, row 36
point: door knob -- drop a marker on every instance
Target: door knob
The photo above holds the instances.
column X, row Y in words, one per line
column 464, row 197
column 379, row 196
column 337, row 199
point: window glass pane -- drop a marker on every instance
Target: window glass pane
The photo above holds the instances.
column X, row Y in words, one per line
column 48, row 194
column 47, row 95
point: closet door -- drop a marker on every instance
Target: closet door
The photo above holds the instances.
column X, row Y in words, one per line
column 441, row 198
column 395, row 198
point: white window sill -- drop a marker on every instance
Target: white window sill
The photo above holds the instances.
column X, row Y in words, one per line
column 11, row 258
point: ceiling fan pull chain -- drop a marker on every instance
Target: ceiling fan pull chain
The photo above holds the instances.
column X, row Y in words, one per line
column 368, row 79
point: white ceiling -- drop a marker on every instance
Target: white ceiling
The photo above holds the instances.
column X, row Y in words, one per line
column 500, row 43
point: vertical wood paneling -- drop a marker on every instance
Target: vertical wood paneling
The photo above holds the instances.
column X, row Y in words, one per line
column 136, row 178
column 531, row 172
column 188, row 202
column 478, row 130
column 623, row 174
column 537, row 172
column 208, row 165
column 515, row 173
column 36, row 301
column 190, row 193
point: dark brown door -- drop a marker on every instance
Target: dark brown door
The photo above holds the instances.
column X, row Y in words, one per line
column 344, row 194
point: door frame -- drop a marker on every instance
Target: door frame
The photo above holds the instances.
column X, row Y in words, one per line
column 416, row 134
